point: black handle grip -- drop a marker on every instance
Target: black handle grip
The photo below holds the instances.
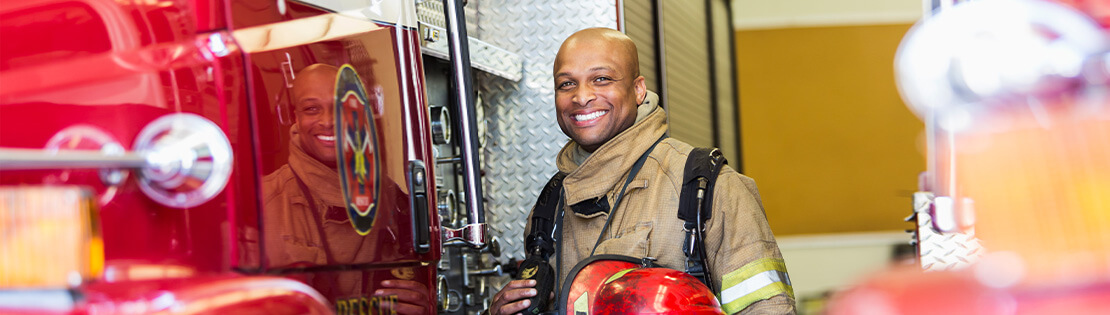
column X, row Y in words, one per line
column 537, row 268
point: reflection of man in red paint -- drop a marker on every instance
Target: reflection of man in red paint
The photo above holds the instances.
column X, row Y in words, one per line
column 313, row 106
column 305, row 222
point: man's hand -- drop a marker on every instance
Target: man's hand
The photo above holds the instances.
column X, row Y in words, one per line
column 411, row 296
column 513, row 298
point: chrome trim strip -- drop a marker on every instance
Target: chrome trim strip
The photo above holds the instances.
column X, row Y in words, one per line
column 32, row 159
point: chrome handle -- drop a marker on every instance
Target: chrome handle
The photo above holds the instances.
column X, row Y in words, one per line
column 495, row 271
column 38, row 159
column 472, row 235
column 184, row 159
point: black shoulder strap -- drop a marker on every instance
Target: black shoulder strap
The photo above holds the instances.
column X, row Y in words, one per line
column 702, row 167
column 543, row 217
column 695, row 208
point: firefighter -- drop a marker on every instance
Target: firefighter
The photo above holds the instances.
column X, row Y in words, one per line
column 603, row 105
column 306, row 222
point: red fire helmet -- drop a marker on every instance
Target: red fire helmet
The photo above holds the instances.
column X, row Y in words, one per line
column 616, row 285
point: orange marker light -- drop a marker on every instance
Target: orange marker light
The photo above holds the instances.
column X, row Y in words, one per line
column 49, row 237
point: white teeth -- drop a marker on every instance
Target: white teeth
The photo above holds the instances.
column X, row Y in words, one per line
column 590, row 116
column 326, row 138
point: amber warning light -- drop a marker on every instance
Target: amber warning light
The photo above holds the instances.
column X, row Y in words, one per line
column 49, row 237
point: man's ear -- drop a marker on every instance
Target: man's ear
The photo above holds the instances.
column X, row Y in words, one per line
column 641, row 89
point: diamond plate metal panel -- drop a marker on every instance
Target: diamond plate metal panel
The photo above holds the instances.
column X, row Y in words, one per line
column 431, row 12
column 523, row 136
column 483, row 56
column 470, row 12
column 939, row 251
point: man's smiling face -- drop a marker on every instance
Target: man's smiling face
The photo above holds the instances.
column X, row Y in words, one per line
column 314, row 106
column 597, row 86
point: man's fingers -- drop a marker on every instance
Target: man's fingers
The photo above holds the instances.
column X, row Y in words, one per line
column 514, row 308
column 518, row 294
column 410, row 295
column 402, row 295
column 517, row 284
column 513, row 297
column 515, row 300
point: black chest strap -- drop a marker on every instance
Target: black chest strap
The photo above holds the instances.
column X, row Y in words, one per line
column 541, row 243
column 695, row 208
column 541, row 238
column 695, row 205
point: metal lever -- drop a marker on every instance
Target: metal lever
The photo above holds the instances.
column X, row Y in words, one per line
column 493, row 247
column 184, row 160
column 495, row 271
column 470, row 235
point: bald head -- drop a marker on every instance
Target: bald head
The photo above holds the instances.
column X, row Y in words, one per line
column 313, row 75
column 597, row 86
column 619, row 45
column 313, row 101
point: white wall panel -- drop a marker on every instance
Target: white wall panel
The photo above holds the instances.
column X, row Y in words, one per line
column 760, row 14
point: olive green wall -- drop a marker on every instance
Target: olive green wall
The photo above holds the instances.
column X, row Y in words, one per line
column 824, row 131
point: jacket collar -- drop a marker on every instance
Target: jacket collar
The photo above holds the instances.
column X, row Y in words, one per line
column 323, row 180
column 610, row 163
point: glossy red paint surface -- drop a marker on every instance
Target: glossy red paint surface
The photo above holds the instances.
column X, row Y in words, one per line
column 655, row 291
column 392, row 76
column 103, row 69
column 115, row 83
column 229, row 294
column 412, row 73
column 1099, row 10
column 911, row 291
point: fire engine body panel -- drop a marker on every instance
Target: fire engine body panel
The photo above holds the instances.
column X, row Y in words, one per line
column 266, row 156
column 99, row 74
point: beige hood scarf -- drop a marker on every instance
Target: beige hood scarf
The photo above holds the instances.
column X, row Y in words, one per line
column 324, row 180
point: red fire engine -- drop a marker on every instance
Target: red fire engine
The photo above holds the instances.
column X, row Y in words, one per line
column 182, row 157
column 263, row 156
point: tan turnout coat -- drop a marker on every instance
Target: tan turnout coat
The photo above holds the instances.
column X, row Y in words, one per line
column 645, row 224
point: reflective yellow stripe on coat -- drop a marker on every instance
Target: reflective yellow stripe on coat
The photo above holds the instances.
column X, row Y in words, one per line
column 756, row 281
